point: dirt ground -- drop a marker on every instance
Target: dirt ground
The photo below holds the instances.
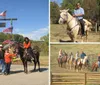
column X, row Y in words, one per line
column 57, row 32
column 18, row 77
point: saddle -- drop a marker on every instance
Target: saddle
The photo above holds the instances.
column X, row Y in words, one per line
column 79, row 32
column 27, row 55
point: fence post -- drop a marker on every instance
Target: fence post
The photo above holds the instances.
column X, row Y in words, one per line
column 50, row 78
column 96, row 27
column 99, row 27
column 85, row 78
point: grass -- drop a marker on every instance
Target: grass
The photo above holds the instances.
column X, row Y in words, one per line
column 92, row 51
column 58, row 32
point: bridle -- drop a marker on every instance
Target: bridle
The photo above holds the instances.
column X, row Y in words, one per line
column 68, row 21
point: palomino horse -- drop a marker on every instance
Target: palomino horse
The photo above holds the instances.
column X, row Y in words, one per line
column 73, row 24
column 71, row 61
column 62, row 60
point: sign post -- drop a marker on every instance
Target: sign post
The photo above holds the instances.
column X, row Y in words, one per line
column 11, row 23
column 2, row 24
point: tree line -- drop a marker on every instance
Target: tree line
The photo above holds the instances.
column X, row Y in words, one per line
column 41, row 45
column 91, row 7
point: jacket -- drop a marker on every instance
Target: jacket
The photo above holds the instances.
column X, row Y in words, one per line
column 27, row 45
column 8, row 57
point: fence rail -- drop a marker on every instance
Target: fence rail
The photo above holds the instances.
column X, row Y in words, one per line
column 75, row 78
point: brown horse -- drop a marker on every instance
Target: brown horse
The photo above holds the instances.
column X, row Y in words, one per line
column 62, row 60
column 95, row 66
column 77, row 64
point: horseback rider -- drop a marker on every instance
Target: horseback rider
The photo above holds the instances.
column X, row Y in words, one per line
column 77, row 55
column 79, row 13
column 27, row 46
column 60, row 54
column 82, row 56
column 71, row 56
column 99, row 60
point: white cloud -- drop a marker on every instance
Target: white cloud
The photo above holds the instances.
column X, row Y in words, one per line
column 34, row 35
column 37, row 34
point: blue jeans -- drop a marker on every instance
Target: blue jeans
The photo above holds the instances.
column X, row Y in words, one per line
column 2, row 62
column 7, row 70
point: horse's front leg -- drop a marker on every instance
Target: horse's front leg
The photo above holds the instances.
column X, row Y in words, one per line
column 25, row 67
column 34, row 65
column 71, row 37
column 70, row 66
column 38, row 65
column 86, row 36
column 23, row 64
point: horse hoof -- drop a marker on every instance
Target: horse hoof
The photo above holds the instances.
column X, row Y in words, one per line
column 26, row 72
column 34, row 69
column 39, row 70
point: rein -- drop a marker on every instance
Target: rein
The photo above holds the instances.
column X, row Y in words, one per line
column 69, row 22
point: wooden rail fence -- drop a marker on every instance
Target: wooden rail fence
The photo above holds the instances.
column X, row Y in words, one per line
column 75, row 78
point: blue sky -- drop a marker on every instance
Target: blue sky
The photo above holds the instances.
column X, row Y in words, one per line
column 33, row 19
column 58, row 1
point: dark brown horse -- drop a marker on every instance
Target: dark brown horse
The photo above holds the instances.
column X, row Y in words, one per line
column 25, row 57
column 62, row 60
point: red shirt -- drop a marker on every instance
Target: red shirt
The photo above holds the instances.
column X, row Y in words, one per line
column 8, row 57
column 27, row 45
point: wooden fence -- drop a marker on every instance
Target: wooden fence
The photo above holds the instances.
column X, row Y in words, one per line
column 75, row 78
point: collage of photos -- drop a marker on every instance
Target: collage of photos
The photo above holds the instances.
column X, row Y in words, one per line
column 50, row 42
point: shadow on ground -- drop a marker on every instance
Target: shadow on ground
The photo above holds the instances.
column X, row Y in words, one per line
column 15, row 72
column 41, row 70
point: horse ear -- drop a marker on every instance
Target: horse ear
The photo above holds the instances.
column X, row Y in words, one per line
column 67, row 10
column 61, row 10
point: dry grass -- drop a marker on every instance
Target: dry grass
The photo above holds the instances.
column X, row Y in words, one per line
column 57, row 32
column 92, row 50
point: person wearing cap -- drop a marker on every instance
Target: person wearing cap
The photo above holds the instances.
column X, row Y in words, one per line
column 27, row 46
column 2, row 62
column 79, row 13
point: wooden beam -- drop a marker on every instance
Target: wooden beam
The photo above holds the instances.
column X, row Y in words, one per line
column 9, row 19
